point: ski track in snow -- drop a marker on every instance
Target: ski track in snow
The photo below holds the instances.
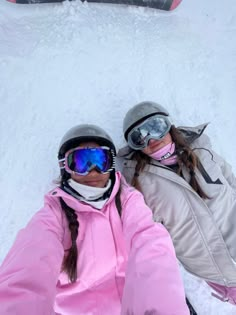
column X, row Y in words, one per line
column 63, row 64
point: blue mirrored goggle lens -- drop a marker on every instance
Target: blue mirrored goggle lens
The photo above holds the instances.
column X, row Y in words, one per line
column 82, row 160
column 152, row 128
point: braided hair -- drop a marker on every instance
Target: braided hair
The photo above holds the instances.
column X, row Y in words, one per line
column 69, row 265
column 185, row 158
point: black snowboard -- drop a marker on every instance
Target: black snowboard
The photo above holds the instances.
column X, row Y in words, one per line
column 166, row 5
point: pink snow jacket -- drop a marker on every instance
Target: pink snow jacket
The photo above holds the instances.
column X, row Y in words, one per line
column 126, row 265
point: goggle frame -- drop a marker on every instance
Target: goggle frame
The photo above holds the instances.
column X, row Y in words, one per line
column 63, row 163
column 141, row 127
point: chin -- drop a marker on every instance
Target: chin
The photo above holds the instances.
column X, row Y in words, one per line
column 94, row 184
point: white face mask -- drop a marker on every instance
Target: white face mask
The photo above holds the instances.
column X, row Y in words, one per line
column 90, row 194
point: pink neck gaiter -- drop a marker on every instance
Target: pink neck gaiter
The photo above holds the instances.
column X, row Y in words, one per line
column 165, row 154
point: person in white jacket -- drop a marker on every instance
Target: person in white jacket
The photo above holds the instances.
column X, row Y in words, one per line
column 190, row 189
column 93, row 248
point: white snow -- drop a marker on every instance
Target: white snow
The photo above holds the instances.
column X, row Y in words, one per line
column 70, row 63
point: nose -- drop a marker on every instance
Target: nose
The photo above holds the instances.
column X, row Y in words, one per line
column 151, row 141
column 93, row 172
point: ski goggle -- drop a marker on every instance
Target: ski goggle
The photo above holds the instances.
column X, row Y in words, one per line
column 82, row 160
column 154, row 127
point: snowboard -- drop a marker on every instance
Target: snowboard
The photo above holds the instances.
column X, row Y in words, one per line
column 166, row 5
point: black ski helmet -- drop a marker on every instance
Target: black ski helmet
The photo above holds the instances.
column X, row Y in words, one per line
column 140, row 112
column 83, row 133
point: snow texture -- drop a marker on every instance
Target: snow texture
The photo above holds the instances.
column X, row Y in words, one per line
column 70, row 63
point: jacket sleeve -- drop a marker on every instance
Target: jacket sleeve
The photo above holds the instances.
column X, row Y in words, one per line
column 153, row 282
column 29, row 273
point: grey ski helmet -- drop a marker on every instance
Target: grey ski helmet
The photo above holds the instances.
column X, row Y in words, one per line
column 83, row 133
column 139, row 113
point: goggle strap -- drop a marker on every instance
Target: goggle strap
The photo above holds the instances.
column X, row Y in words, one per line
column 61, row 163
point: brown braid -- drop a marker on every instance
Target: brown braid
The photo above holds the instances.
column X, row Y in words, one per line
column 185, row 158
column 118, row 201
column 70, row 261
column 69, row 264
column 142, row 160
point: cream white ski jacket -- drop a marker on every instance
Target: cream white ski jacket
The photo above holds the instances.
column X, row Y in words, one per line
column 203, row 231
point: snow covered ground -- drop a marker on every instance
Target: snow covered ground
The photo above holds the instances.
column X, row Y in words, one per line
column 63, row 64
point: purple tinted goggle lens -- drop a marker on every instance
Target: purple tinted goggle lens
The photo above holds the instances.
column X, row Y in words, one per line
column 154, row 127
column 82, row 160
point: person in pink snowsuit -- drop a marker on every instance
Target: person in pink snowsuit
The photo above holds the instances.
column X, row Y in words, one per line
column 93, row 249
